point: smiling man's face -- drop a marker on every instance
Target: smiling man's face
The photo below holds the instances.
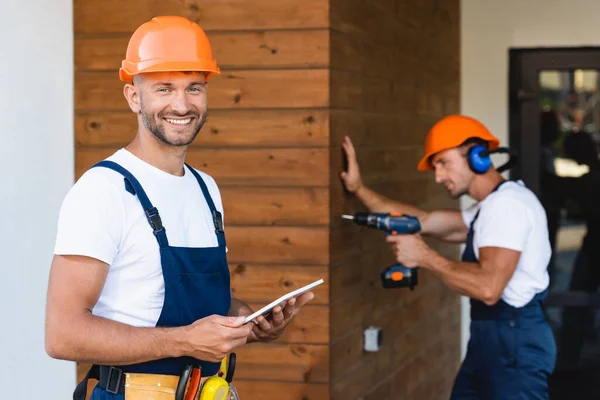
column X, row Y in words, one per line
column 172, row 105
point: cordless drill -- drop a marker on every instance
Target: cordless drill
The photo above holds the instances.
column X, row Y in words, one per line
column 396, row 275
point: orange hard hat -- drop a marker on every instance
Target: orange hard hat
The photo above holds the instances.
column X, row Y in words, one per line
column 452, row 131
column 168, row 44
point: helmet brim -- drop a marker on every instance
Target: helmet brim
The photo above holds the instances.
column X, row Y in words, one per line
column 126, row 75
column 425, row 165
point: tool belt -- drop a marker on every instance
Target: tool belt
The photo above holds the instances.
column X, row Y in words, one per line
column 190, row 385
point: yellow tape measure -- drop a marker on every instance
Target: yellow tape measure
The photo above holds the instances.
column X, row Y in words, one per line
column 215, row 388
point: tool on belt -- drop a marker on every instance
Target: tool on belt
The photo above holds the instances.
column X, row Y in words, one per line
column 392, row 223
column 218, row 387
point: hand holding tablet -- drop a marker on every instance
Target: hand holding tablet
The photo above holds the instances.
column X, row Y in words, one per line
column 268, row 308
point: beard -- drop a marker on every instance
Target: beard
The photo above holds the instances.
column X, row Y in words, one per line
column 157, row 128
column 456, row 192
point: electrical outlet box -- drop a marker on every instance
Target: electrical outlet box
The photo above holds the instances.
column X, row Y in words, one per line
column 372, row 339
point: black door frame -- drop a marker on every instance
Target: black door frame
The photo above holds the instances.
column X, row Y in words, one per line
column 524, row 100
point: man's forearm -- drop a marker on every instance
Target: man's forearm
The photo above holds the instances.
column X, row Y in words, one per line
column 375, row 202
column 463, row 277
column 96, row 340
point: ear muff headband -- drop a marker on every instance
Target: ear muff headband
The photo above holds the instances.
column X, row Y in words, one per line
column 513, row 158
column 479, row 159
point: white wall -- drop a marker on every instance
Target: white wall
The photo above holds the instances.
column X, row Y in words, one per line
column 489, row 28
column 36, row 167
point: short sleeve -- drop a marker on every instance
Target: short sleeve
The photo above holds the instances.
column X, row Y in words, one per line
column 91, row 218
column 504, row 222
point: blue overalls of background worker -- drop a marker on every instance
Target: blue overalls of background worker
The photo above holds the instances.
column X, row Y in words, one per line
column 139, row 285
column 511, row 351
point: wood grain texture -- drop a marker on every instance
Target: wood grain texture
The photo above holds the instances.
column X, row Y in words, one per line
column 394, row 321
column 257, row 49
column 268, row 390
column 234, row 89
column 404, row 349
column 394, row 73
column 283, row 362
column 275, row 206
column 278, row 245
column 258, row 283
column 223, row 128
column 241, row 167
column 386, row 164
column 209, row 14
column 309, row 326
column 373, row 129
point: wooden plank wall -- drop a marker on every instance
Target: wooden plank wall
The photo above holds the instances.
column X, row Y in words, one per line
column 394, row 72
column 266, row 142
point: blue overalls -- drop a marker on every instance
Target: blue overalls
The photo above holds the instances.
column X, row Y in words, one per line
column 511, row 351
column 197, row 284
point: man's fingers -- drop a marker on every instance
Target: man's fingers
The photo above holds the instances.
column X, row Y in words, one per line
column 288, row 311
column 393, row 239
column 231, row 322
column 235, row 329
column 263, row 323
column 352, row 161
column 303, row 299
column 239, row 342
column 240, row 332
column 348, row 142
column 349, row 148
column 278, row 314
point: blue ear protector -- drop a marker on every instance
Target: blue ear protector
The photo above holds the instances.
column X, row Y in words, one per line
column 479, row 159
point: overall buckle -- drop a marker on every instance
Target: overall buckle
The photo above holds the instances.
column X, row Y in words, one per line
column 154, row 219
column 119, row 375
column 218, row 221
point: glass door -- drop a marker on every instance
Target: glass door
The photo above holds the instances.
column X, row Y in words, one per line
column 555, row 127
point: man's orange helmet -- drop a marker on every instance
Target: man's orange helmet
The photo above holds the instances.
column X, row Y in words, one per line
column 452, row 131
column 167, row 44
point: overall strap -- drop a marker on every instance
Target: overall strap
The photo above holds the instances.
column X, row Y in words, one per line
column 217, row 217
column 133, row 186
column 80, row 392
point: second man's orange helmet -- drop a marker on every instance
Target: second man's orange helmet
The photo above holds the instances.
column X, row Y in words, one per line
column 167, row 44
column 452, row 131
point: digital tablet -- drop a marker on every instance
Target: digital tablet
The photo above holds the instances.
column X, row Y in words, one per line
column 267, row 309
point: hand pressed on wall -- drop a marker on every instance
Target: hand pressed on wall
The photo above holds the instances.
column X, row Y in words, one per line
column 351, row 177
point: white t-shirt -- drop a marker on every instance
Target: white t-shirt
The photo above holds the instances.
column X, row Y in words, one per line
column 99, row 218
column 512, row 217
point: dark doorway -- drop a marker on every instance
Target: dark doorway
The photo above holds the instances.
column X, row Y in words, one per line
column 555, row 127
